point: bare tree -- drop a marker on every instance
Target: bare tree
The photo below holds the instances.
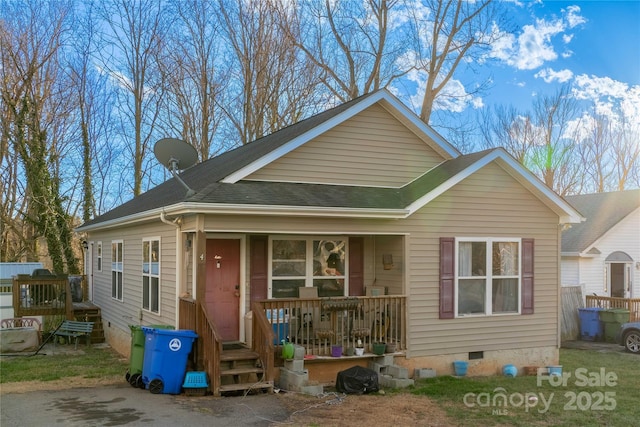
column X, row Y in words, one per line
column 448, row 34
column 35, row 109
column 193, row 80
column 130, row 48
column 268, row 78
column 349, row 43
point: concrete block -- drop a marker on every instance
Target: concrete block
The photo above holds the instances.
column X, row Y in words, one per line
column 292, row 380
column 386, row 360
column 421, row 373
column 313, row 390
column 397, row 372
column 378, row 368
column 294, row 365
column 298, row 352
column 388, row 381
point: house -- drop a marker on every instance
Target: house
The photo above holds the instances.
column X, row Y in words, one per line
column 602, row 254
column 451, row 256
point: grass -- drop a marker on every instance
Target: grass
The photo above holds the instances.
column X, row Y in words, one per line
column 587, row 398
column 94, row 363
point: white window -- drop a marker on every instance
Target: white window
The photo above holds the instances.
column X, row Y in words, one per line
column 151, row 274
column 99, row 255
column 487, row 276
column 116, row 269
column 307, row 262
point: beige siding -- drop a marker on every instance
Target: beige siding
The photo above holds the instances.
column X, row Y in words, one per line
column 373, row 148
column 120, row 314
column 482, row 206
column 488, row 204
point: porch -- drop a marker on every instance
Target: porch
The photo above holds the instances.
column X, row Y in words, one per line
column 316, row 324
column 60, row 295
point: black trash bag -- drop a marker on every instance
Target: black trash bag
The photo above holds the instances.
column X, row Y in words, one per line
column 357, row 380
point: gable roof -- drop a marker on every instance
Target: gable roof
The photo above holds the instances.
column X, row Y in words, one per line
column 602, row 212
column 219, row 187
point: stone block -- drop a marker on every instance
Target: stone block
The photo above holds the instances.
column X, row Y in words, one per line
column 388, row 381
column 292, row 380
column 421, row 373
column 378, row 368
column 294, row 365
column 397, row 372
column 313, row 390
column 386, row 360
column 298, row 352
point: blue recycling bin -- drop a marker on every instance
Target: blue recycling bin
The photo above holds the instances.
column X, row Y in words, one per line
column 279, row 319
column 591, row 326
column 165, row 359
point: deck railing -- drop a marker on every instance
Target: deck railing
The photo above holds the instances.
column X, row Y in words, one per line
column 38, row 296
column 631, row 304
column 319, row 323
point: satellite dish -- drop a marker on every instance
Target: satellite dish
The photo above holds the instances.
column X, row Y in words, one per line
column 176, row 155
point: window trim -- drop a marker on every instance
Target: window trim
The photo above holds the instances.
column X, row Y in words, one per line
column 150, row 275
column 488, row 277
column 114, row 285
column 308, row 277
column 99, row 254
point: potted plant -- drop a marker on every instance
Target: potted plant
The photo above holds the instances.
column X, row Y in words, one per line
column 359, row 347
column 379, row 348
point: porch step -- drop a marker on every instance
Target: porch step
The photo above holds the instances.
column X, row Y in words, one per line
column 241, row 370
column 86, row 312
column 267, row 386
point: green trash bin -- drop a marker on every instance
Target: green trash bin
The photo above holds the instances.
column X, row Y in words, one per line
column 136, row 360
column 613, row 318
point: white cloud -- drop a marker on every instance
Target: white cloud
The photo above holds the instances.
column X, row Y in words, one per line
column 549, row 75
column 615, row 100
column 573, row 17
column 534, row 45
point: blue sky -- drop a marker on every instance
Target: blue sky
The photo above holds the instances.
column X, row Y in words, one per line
column 572, row 42
column 592, row 45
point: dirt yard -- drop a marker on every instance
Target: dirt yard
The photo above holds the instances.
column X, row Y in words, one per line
column 328, row 410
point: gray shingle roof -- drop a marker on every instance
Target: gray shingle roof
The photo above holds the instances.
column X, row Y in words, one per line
column 602, row 211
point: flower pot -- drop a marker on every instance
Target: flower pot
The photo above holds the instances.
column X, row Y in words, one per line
column 460, row 367
column 391, row 348
column 350, row 351
column 379, row 348
column 359, row 351
column 336, row 350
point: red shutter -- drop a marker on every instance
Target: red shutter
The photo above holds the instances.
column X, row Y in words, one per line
column 259, row 266
column 447, row 277
column 527, row 276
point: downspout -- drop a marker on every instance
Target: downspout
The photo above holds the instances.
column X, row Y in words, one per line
column 177, row 223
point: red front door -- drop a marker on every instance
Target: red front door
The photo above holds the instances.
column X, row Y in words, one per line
column 222, row 295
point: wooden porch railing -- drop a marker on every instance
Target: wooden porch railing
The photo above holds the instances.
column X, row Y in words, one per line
column 37, row 296
column 319, row 323
column 193, row 316
column 631, row 304
column 262, row 341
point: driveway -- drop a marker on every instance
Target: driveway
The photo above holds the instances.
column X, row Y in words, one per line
column 120, row 405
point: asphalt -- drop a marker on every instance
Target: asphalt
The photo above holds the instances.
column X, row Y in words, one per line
column 121, row 404
column 124, row 405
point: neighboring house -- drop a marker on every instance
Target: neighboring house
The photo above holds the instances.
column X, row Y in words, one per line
column 602, row 254
column 364, row 192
